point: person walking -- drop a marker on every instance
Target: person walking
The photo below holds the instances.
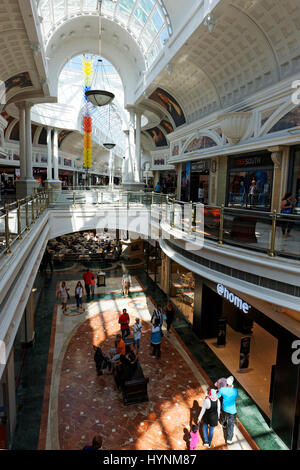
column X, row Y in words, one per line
column 194, row 437
column 47, row 259
column 157, row 314
column 87, row 277
column 170, row 314
column 126, row 283
column 93, row 286
column 63, row 294
column 156, row 337
column 79, row 293
column 124, row 321
column 229, row 395
column 209, row 416
column 137, row 332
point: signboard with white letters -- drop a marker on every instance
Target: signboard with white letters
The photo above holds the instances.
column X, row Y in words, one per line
column 233, row 299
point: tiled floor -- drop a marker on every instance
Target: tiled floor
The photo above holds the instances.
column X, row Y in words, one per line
column 32, row 417
column 82, row 404
column 257, row 378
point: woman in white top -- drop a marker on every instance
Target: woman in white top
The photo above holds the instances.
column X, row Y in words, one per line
column 137, row 329
column 209, row 416
column 63, row 295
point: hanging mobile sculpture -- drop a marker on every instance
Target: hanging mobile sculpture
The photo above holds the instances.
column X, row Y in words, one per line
column 87, row 118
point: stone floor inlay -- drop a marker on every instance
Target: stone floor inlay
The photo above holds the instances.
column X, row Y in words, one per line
column 82, row 404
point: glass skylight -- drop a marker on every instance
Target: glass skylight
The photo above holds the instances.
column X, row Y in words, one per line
column 107, row 125
column 146, row 20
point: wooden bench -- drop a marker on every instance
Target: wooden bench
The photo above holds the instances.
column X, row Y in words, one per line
column 134, row 390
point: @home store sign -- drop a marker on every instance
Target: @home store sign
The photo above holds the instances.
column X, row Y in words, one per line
column 233, row 299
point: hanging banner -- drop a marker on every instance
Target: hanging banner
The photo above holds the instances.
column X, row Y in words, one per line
column 245, row 352
column 221, row 334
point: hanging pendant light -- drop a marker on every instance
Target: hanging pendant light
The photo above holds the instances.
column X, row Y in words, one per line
column 109, row 145
column 99, row 97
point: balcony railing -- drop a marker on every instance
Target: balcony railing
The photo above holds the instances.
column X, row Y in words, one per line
column 271, row 233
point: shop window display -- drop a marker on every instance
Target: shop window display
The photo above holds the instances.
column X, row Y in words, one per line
column 296, row 183
column 182, row 290
column 250, row 189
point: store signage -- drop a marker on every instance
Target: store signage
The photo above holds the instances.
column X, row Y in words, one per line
column 159, row 161
column 251, row 162
column 201, row 166
column 233, row 299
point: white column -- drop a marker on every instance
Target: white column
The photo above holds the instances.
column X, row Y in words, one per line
column 131, row 146
column 49, row 159
column 11, row 393
column 137, row 175
column 128, row 164
column 22, row 144
column 55, row 154
column 28, row 139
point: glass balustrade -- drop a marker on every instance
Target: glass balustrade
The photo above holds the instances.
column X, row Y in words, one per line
column 270, row 233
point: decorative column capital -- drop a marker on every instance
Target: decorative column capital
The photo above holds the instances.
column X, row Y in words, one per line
column 276, row 155
column 134, row 109
column 28, row 105
column 20, row 104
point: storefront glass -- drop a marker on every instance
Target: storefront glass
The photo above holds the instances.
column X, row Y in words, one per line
column 182, row 290
column 200, row 182
column 167, row 180
column 295, row 189
column 250, row 181
column 186, row 181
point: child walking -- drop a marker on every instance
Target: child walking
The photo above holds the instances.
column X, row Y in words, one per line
column 194, row 437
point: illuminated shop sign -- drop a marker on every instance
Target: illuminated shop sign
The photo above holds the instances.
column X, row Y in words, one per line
column 233, row 299
column 251, row 161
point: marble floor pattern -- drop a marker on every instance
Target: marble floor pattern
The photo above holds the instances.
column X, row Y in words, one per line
column 78, row 404
column 113, row 285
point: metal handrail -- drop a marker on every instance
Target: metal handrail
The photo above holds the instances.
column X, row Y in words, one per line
column 15, row 208
column 43, row 199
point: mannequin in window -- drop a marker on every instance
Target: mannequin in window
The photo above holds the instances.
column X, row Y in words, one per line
column 252, row 193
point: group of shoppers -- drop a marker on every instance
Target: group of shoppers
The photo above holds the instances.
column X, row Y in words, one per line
column 218, row 406
column 89, row 288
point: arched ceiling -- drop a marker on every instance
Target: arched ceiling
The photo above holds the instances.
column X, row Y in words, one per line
column 81, row 36
column 253, row 44
column 18, row 67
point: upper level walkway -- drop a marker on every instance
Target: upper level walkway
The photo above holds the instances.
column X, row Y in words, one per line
column 270, row 233
column 223, row 245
